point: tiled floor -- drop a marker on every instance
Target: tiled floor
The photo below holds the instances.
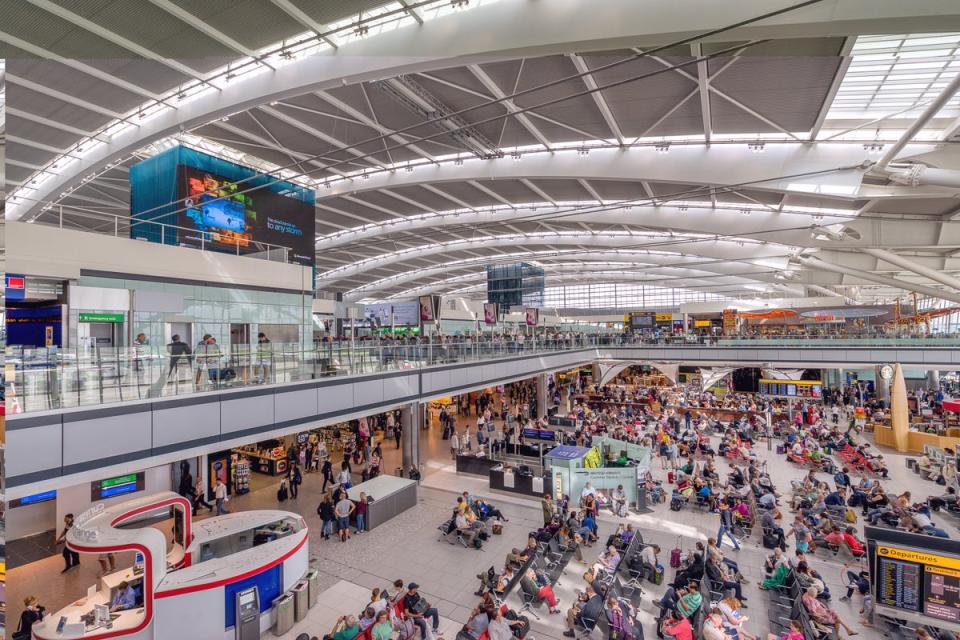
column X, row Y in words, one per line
column 408, row 548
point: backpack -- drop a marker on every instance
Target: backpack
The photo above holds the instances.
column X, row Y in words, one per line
column 477, row 543
column 282, row 493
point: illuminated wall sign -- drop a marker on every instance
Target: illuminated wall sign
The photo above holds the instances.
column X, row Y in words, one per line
column 34, row 499
column 118, row 486
column 101, row 317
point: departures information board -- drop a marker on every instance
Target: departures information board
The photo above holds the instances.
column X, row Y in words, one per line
column 918, row 581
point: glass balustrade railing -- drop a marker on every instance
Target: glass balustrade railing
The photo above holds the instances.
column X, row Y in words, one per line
column 55, row 378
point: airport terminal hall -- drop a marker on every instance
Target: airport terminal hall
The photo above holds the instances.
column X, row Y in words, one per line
column 480, row 319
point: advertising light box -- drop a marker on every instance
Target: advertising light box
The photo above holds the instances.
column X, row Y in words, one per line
column 222, row 214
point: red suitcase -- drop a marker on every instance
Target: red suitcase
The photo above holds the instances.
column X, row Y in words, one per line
column 669, row 477
column 675, row 558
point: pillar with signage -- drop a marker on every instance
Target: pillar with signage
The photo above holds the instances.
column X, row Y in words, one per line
column 729, row 322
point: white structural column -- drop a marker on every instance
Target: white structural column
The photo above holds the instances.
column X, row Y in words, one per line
column 410, row 439
column 910, row 265
column 542, row 394
column 933, row 379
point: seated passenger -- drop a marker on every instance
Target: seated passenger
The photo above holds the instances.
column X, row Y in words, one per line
column 124, row 598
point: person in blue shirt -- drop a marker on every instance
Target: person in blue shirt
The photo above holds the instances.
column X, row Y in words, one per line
column 125, row 597
column 836, row 498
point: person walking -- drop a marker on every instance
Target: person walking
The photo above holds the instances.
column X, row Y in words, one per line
column 70, row 557
column 726, row 525
column 327, row 471
column 296, row 479
column 397, row 433
column 220, row 497
column 178, row 350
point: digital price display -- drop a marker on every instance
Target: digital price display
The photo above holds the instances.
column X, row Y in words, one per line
column 917, row 581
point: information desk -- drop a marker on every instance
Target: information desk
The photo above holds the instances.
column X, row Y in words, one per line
column 475, row 465
column 388, row 496
column 534, row 486
column 530, row 450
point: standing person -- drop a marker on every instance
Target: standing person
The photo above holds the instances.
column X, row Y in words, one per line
column 362, row 513
column 71, row 558
column 33, row 613
column 342, row 510
column 220, row 497
column 199, row 498
column 178, row 350
column 200, row 352
column 296, row 479
column 264, row 358
column 397, row 432
column 726, row 525
column 327, row 516
column 547, row 505
column 345, row 478
column 139, row 350
column 454, row 444
column 327, row 471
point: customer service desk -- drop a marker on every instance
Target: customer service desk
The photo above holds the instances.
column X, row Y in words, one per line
column 475, row 465
column 389, row 496
column 525, row 485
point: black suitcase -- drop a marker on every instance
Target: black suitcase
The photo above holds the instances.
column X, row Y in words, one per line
column 770, row 540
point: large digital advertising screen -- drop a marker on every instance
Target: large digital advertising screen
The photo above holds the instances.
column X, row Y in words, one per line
column 386, row 314
column 915, row 576
column 223, row 215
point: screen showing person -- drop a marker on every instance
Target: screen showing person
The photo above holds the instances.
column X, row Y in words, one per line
column 532, row 317
column 426, row 309
column 490, row 313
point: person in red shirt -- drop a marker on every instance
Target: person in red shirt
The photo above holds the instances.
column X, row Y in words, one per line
column 855, row 546
column 674, row 629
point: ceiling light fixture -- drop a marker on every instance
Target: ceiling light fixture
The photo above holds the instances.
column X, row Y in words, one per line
column 756, row 147
column 662, row 147
column 873, row 147
column 516, row 155
column 583, row 151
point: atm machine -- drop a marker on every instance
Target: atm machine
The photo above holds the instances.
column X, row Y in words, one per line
column 248, row 614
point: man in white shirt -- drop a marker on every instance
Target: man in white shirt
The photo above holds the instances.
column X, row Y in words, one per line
column 454, row 444
column 220, row 494
column 464, row 528
column 588, row 490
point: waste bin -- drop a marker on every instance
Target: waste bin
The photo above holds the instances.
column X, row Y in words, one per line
column 300, row 599
column 313, row 587
column 398, row 472
column 283, row 608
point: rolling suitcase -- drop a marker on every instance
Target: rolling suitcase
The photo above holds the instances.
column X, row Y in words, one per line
column 669, row 477
column 676, row 553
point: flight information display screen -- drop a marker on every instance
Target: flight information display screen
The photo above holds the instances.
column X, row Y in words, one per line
column 918, row 581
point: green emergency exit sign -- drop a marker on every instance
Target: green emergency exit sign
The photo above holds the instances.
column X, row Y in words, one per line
column 101, row 317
